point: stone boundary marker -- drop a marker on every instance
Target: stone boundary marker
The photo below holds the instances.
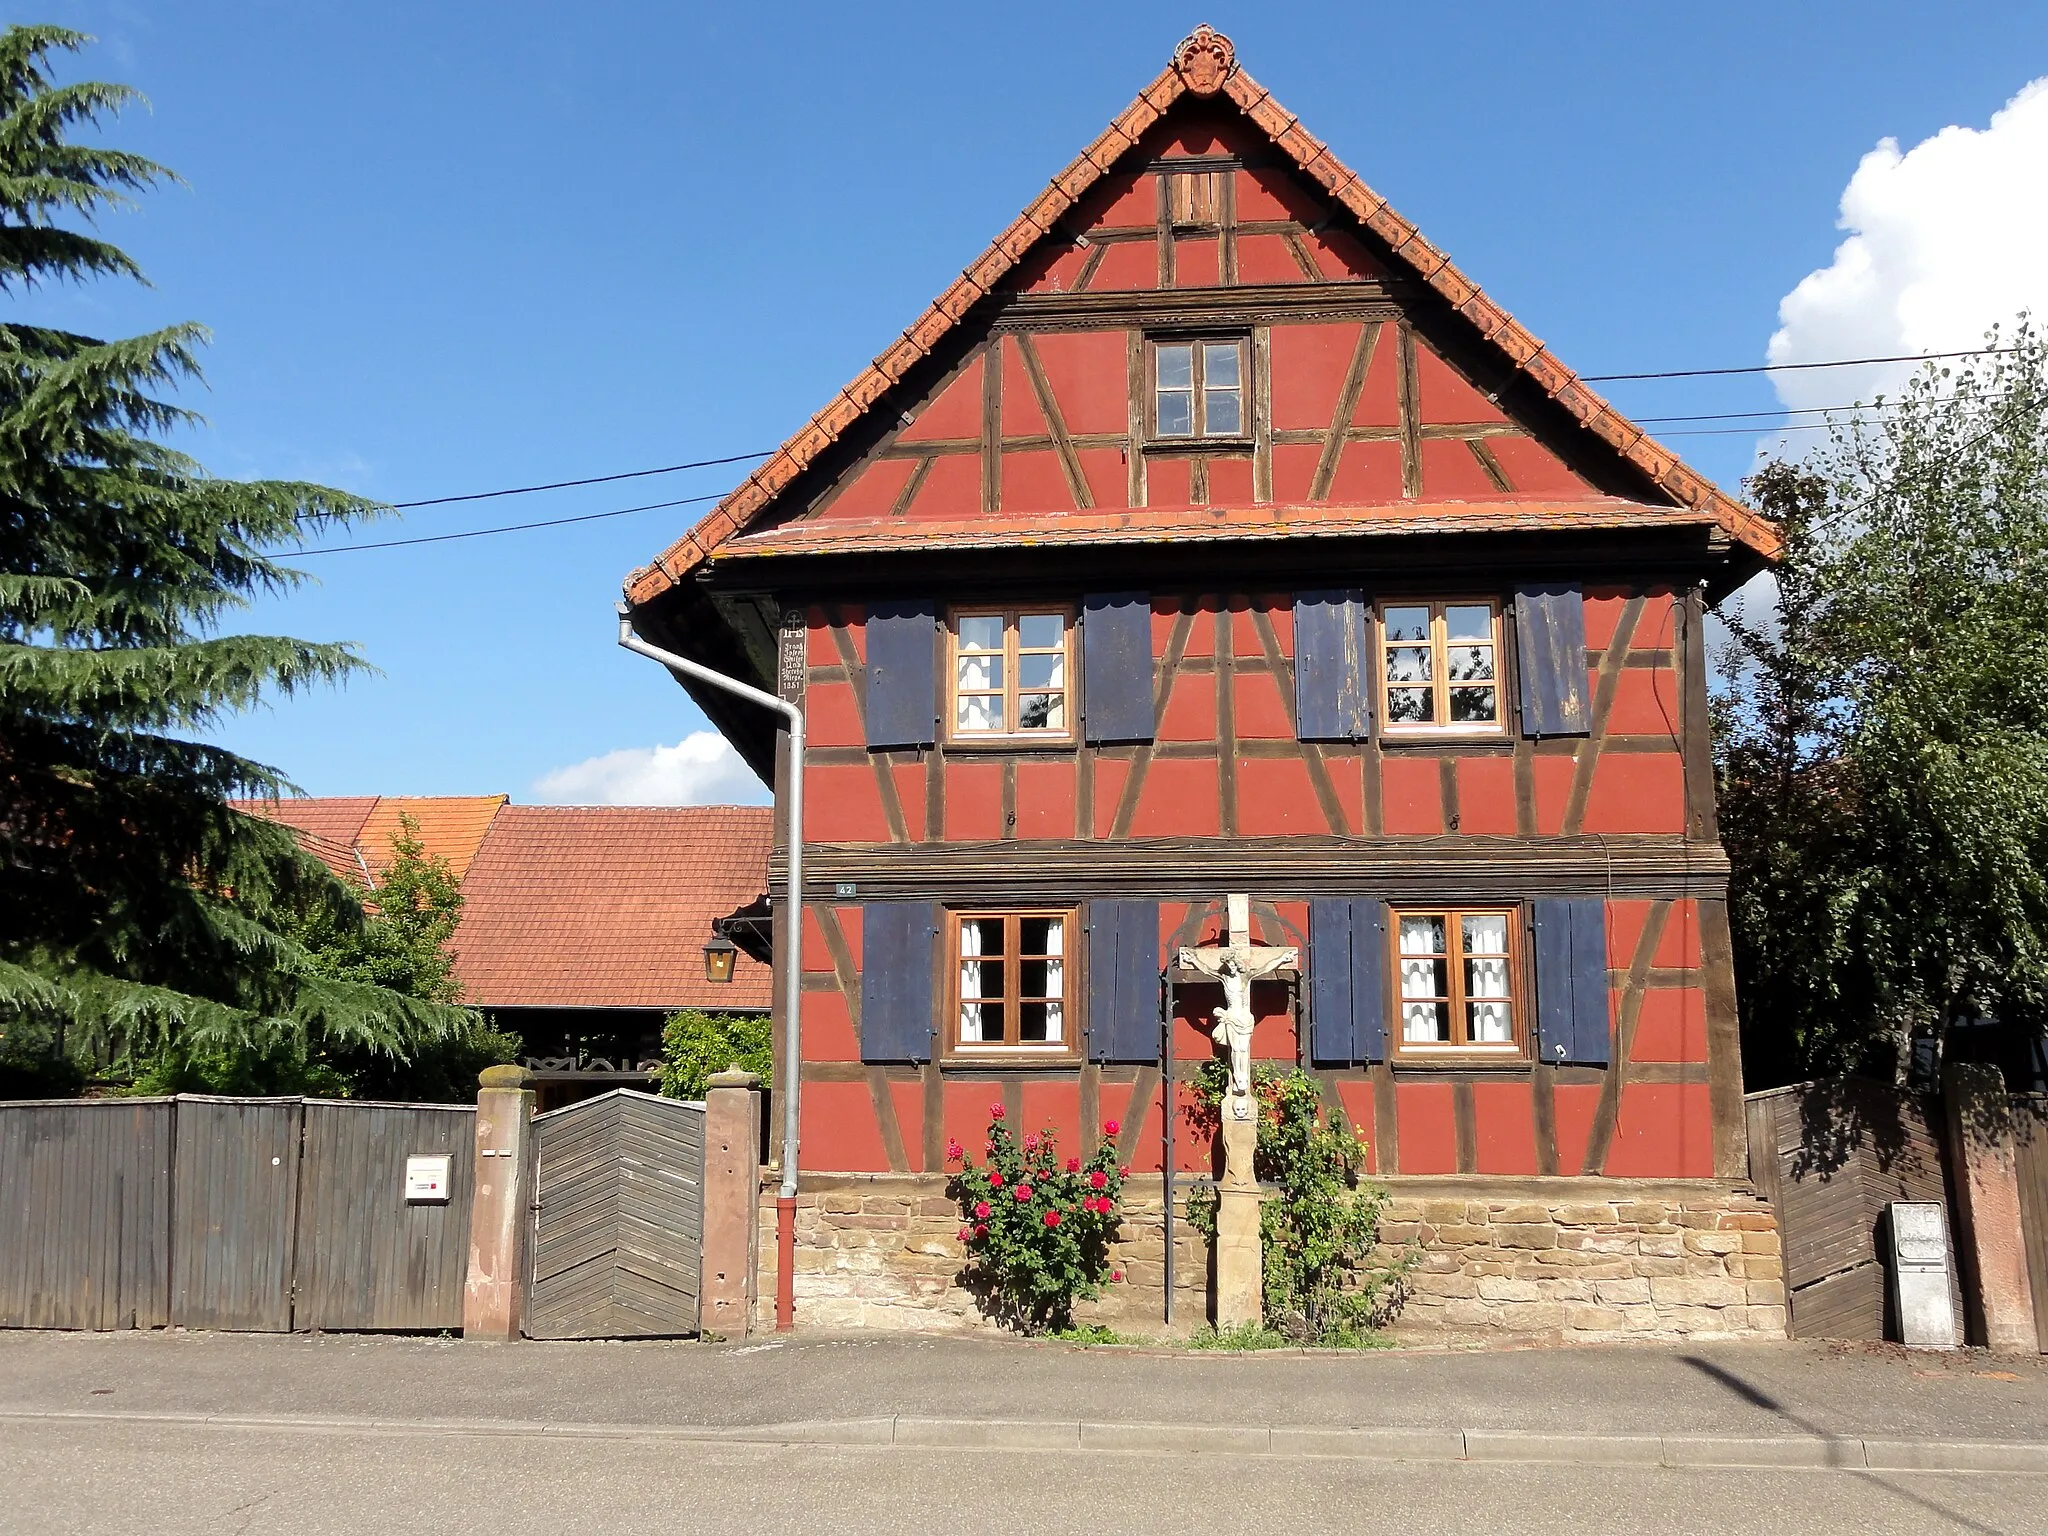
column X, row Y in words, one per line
column 1844, row 1453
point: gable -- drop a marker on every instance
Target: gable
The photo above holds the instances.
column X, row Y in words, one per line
column 1392, row 377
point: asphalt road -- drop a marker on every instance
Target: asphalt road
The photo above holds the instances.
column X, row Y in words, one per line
column 111, row 1476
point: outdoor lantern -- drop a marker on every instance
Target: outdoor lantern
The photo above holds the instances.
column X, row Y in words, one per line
column 718, row 956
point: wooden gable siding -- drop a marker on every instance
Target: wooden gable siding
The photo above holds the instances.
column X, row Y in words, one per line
column 1648, row 1115
column 1226, row 764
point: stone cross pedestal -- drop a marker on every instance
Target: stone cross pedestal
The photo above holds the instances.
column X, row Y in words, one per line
column 1239, row 1262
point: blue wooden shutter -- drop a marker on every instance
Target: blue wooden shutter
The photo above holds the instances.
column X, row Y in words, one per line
column 896, row 1018
column 1550, row 628
column 1347, row 981
column 1573, row 1023
column 1332, row 667
column 1116, row 666
column 1123, row 981
column 902, row 694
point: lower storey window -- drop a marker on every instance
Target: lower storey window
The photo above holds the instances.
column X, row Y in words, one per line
column 1012, row 981
column 1456, row 980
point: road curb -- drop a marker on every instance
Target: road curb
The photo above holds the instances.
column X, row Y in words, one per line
column 1478, row 1446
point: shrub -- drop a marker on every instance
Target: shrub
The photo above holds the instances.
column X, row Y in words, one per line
column 1036, row 1226
column 696, row 1044
column 1318, row 1233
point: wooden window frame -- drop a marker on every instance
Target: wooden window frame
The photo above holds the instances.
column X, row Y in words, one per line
column 1439, row 724
column 1199, row 439
column 1068, row 1051
column 1458, row 1050
column 1010, row 614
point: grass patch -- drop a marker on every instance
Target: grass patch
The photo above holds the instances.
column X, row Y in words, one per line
column 1085, row 1334
column 1259, row 1336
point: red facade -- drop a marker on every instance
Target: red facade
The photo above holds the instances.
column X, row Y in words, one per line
column 1211, row 375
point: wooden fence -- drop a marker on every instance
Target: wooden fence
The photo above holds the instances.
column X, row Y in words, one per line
column 264, row 1215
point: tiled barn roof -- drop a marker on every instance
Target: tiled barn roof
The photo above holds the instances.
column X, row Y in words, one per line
column 1205, row 65
column 569, row 906
column 610, row 906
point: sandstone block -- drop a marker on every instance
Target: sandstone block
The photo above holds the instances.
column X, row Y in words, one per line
column 1654, row 1267
column 1519, row 1215
column 1594, row 1317
column 1619, row 1290
column 1761, row 1242
column 1642, row 1212
column 1583, row 1215
column 1401, row 1210
column 1758, row 1266
column 1444, row 1213
column 1764, row 1293
column 1468, row 1314
column 1657, row 1247
column 1749, row 1221
column 1769, row 1320
column 1525, row 1235
column 1695, row 1291
column 1460, row 1285
column 1463, row 1236
column 1713, row 1242
column 937, row 1207
column 1495, row 1288
column 1531, row 1316
column 838, row 1204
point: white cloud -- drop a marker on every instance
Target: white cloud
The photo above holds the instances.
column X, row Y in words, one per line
column 701, row 769
column 1944, row 240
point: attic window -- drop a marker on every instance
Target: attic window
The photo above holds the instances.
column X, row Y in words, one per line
column 1192, row 197
column 1198, row 389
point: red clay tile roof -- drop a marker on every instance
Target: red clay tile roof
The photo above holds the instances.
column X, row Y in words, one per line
column 568, row 906
column 610, row 906
column 1175, row 525
column 450, row 826
column 1205, row 64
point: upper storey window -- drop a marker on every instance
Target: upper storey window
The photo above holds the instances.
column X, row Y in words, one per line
column 1198, row 389
column 1440, row 666
column 1012, row 674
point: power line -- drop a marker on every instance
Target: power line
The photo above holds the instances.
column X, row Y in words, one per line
column 1840, row 362
column 484, row 533
column 563, row 485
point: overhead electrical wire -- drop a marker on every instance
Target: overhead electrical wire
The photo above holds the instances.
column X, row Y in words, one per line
column 1760, row 430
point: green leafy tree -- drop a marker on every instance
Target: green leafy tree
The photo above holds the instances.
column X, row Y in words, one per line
column 139, row 913
column 696, row 1044
column 1882, row 735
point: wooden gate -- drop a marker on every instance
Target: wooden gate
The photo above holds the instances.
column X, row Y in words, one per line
column 1831, row 1156
column 85, row 1214
column 263, row 1215
column 619, row 1191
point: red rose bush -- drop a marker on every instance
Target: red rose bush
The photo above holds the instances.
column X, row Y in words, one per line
column 1038, row 1226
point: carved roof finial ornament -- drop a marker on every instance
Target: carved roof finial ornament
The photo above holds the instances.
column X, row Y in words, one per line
column 1205, row 59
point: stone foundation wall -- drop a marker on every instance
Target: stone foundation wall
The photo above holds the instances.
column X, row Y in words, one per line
column 883, row 1251
column 1549, row 1259
column 1581, row 1259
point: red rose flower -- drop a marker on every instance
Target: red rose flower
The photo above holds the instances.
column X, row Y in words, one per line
column 1052, row 1218
column 981, row 1229
column 966, row 1233
column 995, row 1110
column 1111, row 1127
column 954, row 1151
column 995, row 1179
column 1099, row 1179
column 1031, row 1142
column 1116, row 1274
column 1022, row 1192
column 981, row 1210
column 1073, row 1165
column 1124, row 1172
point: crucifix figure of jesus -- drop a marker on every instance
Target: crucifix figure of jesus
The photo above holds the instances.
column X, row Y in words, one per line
column 1237, row 965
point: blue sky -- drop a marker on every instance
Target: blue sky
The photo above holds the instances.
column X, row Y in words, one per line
column 446, row 247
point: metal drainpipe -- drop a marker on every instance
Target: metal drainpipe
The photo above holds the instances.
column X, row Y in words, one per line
column 792, row 970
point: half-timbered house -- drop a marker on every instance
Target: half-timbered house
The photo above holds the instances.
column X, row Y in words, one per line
column 1213, row 534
